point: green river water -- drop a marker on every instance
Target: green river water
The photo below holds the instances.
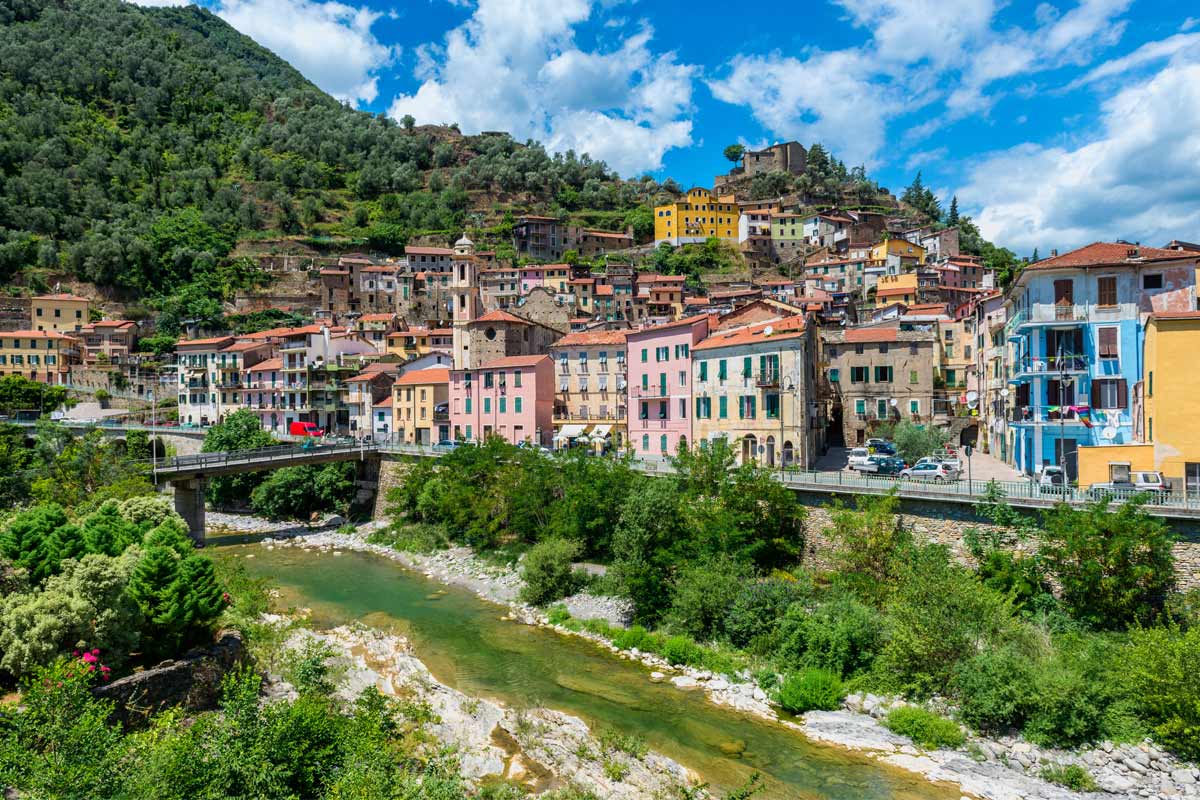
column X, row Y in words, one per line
column 467, row 645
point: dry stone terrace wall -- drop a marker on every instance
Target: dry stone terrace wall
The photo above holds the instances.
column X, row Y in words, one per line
column 946, row 523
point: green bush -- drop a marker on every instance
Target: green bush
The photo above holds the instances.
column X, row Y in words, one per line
column 813, row 689
column 841, row 635
column 680, row 650
column 558, row 615
column 630, row 638
column 993, row 689
column 754, row 615
column 1072, row 776
column 1066, row 706
column 547, row 571
column 1165, row 685
column 702, row 597
column 924, row 727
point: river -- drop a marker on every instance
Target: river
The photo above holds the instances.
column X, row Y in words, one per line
column 467, row 645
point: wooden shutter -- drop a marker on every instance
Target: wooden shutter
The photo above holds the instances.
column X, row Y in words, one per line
column 1107, row 291
column 1023, row 395
column 1108, row 342
column 1064, row 292
column 1122, row 394
column 1096, row 394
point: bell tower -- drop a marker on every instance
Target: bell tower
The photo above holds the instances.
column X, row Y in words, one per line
column 464, row 296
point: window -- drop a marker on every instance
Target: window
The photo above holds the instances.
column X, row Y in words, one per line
column 662, row 383
column 564, row 383
column 645, row 355
column 703, row 370
column 645, row 381
column 645, row 442
column 662, row 443
column 914, row 407
column 834, row 375
column 1150, row 381
column 860, row 407
column 912, row 376
column 1108, row 342
column 583, row 383
column 645, row 410
column 858, row 349
column 683, row 408
column 488, row 379
column 747, row 367
column 881, row 409
column 746, row 407
column 723, row 407
column 771, row 405
column 468, row 406
column 949, row 351
column 1110, row 393
column 722, row 373
column 1154, row 281
column 517, row 379
column 602, row 380
column 883, row 374
column 503, row 405
column 1107, row 291
column 662, row 409
column 860, row 374
column 487, row 405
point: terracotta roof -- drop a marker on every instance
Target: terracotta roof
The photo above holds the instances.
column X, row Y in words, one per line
column 428, row 251
column 386, row 402
column 376, row 317
column 786, row 328
column 442, row 332
column 424, row 376
column 269, row 364
column 381, row 268
column 502, row 316
column 604, row 290
column 37, row 335
column 239, row 347
column 592, row 337
column 335, row 272
column 516, row 361
column 209, row 341
column 62, row 296
column 607, row 234
column 113, row 323
column 685, row 321
column 867, row 335
column 1175, row 315
column 1108, row 254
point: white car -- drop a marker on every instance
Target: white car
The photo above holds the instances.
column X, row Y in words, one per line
column 860, row 460
column 935, row 471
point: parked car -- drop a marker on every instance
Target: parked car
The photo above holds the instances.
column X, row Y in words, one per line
column 305, row 429
column 948, row 455
column 884, row 448
column 937, row 471
column 859, row 459
column 447, row 445
column 887, row 465
column 1148, row 481
column 875, row 441
column 1052, row 480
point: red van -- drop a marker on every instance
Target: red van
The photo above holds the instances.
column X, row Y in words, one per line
column 305, row 429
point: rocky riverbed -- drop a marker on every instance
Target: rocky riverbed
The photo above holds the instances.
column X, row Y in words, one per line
column 1006, row 768
column 540, row 749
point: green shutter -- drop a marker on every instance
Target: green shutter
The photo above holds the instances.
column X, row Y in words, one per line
column 517, row 405
column 747, row 367
column 723, row 406
column 703, row 370
column 721, row 372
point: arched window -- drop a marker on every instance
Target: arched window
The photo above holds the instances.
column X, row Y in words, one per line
column 789, row 455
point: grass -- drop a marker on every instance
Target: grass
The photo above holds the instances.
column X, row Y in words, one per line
column 411, row 537
column 925, row 728
column 1072, row 776
column 630, row 744
column 812, row 689
column 616, row 771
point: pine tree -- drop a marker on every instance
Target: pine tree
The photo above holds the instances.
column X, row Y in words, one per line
column 952, row 217
column 817, row 162
column 1034, row 258
column 67, row 542
column 172, row 534
column 200, row 596
column 914, row 193
column 26, row 540
column 107, row 532
column 154, row 587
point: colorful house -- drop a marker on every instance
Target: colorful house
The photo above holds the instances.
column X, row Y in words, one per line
column 660, row 385
column 590, row 377
column 1076, row 326
column 61, row 313
column 511, row 397
column 420, row 411
column 701, row 215
column 44, row 356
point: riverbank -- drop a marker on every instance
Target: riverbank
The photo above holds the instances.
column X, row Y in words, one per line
column 538, row 749
column 1000, row 769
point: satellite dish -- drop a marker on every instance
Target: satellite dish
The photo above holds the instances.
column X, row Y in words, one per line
column 972, row 404
column 1004, row 392
column 972, row 396
column 1109, row 433
column 767, row 331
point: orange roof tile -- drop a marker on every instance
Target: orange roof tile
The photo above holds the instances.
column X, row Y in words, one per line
column 62, row 296
column 428, row 251
column 868, row 335
column 385, row 402
column 1108, row 254
column 264, row 366
column 515, row 361
column 502, row 316
column 37, row 335
column 377, row 318
column 239, row 347
column 592, row 337
column 212, row 340
column 786, row 328
column 424, row 376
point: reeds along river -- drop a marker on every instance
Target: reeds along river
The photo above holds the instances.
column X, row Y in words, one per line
column 467, row 645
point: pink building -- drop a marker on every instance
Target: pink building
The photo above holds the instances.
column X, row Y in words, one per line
column 510, row 397
column 660, row 384
column 263, row 393
column 532, row 277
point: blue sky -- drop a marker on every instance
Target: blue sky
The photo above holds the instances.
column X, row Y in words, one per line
column 1055, row 123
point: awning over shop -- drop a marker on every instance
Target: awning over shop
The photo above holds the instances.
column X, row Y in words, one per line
column 569, row 432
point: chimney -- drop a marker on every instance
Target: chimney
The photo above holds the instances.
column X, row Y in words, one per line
column 1054, row 253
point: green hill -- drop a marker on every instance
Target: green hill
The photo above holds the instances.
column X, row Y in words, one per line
column 138, row 145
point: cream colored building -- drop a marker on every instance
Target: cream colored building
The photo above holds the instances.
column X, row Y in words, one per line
column 63, row 313
column 44, row 356
column 590, row 388
column 420, row 413
column 753, row 386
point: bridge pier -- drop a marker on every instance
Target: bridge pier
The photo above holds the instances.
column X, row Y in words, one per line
column 189, row 503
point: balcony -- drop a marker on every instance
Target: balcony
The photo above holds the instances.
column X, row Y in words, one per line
column 1043, row 415
column 655, row 391
column 1050, row 365
column 768, row 379
column 1050, row 314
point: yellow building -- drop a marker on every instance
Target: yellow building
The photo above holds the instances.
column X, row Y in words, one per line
column 417, row 341
column 900, row 288
column 44, row 356
column 1168, row 431
column 420, row 413
column 898, row 254
column 700, row 216
column 64, row 313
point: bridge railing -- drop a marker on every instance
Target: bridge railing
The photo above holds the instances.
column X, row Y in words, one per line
column 282, row 452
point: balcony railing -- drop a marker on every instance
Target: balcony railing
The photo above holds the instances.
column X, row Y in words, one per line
column 1037, row 415
column 1048, row 365
column 767, row 379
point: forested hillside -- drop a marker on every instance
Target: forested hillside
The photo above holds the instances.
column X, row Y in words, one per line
column 138, row 145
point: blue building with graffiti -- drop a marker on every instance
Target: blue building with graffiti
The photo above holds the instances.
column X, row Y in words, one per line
column 1075, row 328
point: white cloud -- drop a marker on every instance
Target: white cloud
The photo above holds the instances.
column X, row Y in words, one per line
column 515, row 66
column 161, row 3
column 1138, row 178
column 1147, row 53
column 917, row 57
column 330, row 43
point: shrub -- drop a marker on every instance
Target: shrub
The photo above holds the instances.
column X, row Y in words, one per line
column 558, row 614
column 755, row 612
column 993, row 689
column 924, row 727
column 148, row 511
column 1066, row 707
column 841, row 635
column 868, row 544
column 630, row 638
column 813, row 689
column 703, row 594
column 1072, row 776
column 547, row 571
column 1165, row 683
column 680, row 650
